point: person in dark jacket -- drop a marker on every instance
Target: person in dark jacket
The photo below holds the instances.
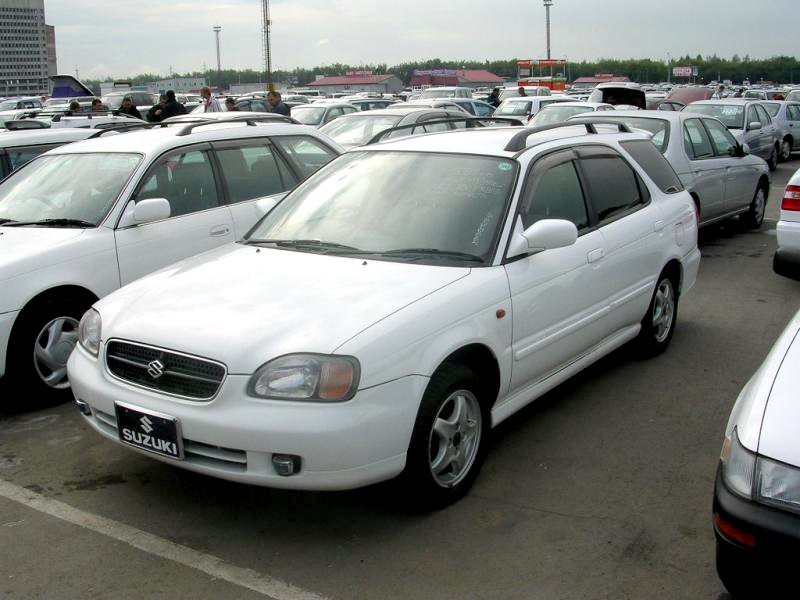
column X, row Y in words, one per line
column 172, row 107
column 277, row 105
column 156, row 114
column 127, row 108
column 494, row 97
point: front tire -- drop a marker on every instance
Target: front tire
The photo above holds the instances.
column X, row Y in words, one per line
column 38, row 351
column 754, row 216
column 448, row 443
column 658, row 324
column 786, row 150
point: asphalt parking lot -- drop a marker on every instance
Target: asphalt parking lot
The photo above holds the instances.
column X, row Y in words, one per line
column 600, row 490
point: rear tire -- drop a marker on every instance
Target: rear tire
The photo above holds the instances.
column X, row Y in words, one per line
column 772, row 161
column 658, row 324
column 786, row 150
column 40, row 345
column 449, row 440
column 754, row 216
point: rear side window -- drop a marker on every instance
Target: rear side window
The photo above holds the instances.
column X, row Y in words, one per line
column 306, row 154
column 254, row 172
column 793, row 112
column 695, row 140
column 613, row 185
column 654, row 164
column 763, row 116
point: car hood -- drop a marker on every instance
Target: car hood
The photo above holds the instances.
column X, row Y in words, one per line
column 243, row 305
column 779, row 439
column 22, row 248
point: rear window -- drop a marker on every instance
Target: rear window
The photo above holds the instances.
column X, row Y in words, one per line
column 516, row 107
column 654, row 164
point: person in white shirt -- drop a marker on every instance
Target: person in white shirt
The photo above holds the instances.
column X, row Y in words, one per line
column 719, row 94
column 211, row 104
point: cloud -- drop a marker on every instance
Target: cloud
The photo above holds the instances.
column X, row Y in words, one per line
column 322, row 42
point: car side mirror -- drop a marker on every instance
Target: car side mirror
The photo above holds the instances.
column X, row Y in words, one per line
column 547, row 234
column 754, row 125
column 145, row 211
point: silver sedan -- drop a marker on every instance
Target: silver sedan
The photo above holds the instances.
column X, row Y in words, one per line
column 722, row 176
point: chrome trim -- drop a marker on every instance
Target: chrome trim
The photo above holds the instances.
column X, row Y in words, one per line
column 144, row 365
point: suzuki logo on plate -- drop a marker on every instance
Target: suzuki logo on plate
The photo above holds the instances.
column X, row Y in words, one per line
column 147, row 424
column 155, row 369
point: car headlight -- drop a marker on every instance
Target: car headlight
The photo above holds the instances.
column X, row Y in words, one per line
column 738, row 466
column 89, row 331
column 315, row 377
column 778, row 484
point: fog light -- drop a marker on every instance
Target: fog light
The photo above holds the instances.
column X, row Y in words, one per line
column 84, row 408
column 286, row 465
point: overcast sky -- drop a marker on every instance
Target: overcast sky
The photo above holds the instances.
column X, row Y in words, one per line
column 111, row 38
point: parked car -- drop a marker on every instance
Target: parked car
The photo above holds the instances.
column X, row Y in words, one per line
column 477, row 108
column 365, row 104
column 80, row 221
column 561, row 111
column 432, row 93
column 765, row 94
column 17, row 108
column 629, row 94
column 446, row 104
column 786, row 117
column 530, row 90
column 748, row 121
column 526, row 107
column 320, row 114
column 357, row 129
column 757, row 489
column 722, row 177
column 19, row 147
column 427, row 288
column 787, row 256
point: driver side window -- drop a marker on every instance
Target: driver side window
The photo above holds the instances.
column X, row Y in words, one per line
column 555, row 193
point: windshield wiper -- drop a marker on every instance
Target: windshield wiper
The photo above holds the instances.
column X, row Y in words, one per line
column 52, row 223
column 312, row 244
column 423, row 252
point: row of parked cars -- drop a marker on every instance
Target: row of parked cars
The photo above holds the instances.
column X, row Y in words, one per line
column 237, row 295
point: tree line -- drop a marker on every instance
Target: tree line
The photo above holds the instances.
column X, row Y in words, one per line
column 779, row 69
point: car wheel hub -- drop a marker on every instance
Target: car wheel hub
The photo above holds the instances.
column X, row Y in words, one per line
column 52, row 348
column 759, row 205
column 663, row 309
column 455, row 438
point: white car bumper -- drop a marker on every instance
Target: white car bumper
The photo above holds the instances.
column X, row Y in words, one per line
column 6, row 323
column 691, row 266
column 234, row 436
column 787, row 255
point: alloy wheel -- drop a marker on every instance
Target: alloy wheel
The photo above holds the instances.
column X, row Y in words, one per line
column 663, row 310
column 454, row 438
column 52, row 348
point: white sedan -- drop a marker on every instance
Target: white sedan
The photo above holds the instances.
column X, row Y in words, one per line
column 393, row 309
column 787, row 256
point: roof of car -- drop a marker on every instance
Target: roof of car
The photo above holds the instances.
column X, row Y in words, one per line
column 394, row 111
column 664, row 115
column 577, row 103
column 740, row 101
column 26, row 137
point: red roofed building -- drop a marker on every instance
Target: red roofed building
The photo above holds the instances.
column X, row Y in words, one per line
column 457, row 77
column 359, row 81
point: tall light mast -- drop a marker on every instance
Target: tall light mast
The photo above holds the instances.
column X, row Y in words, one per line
column 217, row 29
column 547, row 5
column 265, row 27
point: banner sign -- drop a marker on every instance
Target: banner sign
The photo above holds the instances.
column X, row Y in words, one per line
column 435, row 72
column 681, row 71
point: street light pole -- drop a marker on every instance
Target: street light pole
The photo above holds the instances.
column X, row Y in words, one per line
column 547, row 5
column 217, row 29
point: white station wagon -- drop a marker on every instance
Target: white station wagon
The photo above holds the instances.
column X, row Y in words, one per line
column 393, row 308
column 84, row 219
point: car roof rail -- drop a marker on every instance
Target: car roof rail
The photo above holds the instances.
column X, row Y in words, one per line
column 25, row 124
column 470, row 122
column 92, row 115
column 250, row 120
column 520, row 141
column 119, row 128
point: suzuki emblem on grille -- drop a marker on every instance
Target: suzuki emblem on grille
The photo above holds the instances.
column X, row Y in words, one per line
column 155, row 369
column 147, row 424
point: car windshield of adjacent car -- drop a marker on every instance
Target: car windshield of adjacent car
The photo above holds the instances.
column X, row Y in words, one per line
column 358, row 130
column 308, row 115
column 557, row 114
column 772, row 108
column 420, row 207
column 429, row 94
column 65, row 189
column 731, row 115
column 514, row 107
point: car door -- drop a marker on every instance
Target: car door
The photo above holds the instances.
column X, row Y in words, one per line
column 741, row 177
column 793, row 122
column 632, row 229
column 199, row 220
column 556, row 295
column 769, row 130
column 755, row 137
column 708, row 169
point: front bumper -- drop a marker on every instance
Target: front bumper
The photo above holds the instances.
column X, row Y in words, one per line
column 6, row 323
column 234, row 436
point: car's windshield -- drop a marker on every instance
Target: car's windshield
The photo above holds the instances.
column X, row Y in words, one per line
column 772, row 108
column 731, row 115
column 8, row 105
column 358, row 130
column 449, row 208
column 66, row 186
column 558, row 114
column 112, row 101
column 308, row 115
column 513, row 107
column 437, row 93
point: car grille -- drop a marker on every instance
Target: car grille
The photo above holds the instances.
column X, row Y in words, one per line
column 181, row 375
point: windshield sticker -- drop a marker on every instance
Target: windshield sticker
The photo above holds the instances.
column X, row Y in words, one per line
column 504, row 167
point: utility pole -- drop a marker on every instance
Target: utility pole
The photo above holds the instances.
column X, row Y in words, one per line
column 265, row 30
column 669, row 68
column 547, row 5
column 217, row 29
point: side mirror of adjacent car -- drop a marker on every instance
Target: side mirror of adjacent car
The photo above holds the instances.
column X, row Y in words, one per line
column 547, row 234
column 754, row 125
column 145, row 211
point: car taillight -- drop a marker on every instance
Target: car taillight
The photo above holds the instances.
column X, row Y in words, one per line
column 530, row 117
column 791, row 198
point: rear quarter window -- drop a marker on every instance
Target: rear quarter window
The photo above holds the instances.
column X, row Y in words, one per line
column 654, row 164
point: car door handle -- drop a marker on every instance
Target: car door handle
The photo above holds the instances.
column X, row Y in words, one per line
column 595, row 255
column 219, row 230
column 658, row 226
